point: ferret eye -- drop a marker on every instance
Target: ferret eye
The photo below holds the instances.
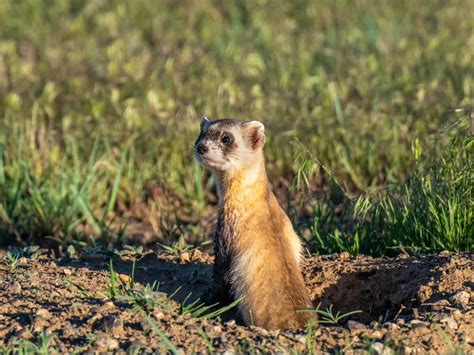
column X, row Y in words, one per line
column 226, row 139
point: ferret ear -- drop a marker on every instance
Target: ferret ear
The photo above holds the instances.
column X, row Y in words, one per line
column 204, row 122
column 254, row 133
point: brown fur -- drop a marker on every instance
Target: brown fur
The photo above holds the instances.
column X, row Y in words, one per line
column 257, row 251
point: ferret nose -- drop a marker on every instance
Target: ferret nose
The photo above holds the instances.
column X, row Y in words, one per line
column 202, row 148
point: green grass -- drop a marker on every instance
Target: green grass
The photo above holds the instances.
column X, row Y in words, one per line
column 166, row 341
column 10, row 261
column 311, row 339
column 430, row 211
column 144, row 298
column 330, row 316
column 200, row 309
column 42, row 345
column 148, row 297
column 100, row 105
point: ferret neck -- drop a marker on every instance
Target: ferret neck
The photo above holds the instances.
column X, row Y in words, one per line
column 239, row 185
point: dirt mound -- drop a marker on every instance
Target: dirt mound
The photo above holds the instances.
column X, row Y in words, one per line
column 383, row 289
column 407, row 303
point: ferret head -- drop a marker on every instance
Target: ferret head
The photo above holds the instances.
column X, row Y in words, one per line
column 228, row 145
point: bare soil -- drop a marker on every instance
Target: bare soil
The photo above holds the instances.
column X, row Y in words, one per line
column 409, row 304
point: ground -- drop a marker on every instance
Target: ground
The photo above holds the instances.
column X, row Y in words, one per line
column 408, row 303
column 367, row 107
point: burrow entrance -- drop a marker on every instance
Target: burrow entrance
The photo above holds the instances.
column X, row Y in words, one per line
column 383, row 289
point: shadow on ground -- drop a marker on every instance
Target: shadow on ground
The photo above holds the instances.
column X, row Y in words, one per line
column 190, row 280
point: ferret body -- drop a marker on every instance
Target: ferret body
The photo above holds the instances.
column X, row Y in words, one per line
column 257, row 252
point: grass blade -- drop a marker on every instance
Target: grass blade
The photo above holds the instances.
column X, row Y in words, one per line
column 169, row 345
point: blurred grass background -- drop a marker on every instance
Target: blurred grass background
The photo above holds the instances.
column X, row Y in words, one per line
column 368, row 108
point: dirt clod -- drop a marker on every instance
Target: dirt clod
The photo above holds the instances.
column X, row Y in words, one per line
column 353, row 325
column 461, row 298
column 15, row 288
column 379, row 348
column 105, row 343
column 43, row 313
column 110, row 324
column 185, row 257
column 450, row 322
column 124, row 278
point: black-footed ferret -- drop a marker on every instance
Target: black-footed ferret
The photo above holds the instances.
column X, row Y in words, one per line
column 257, row 252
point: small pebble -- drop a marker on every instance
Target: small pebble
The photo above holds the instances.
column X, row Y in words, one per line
column 109, row 305
column 376, row 334
column 159, row 315
column 392, row 326
column 217, row 329
column 457, row 315
column 185, row 257
column 77, row 308
column 353, row 325
column 344, row 255
column 43, row 313
column 117, row 327
column 461, row 298
column 39, row 324
column 105, row 343
column 379, row 348
column 135, row 347
column 95, row 318
column 15, row 288
column 197, row 255
column 439, row 305
column 415, row 323
column 450, row 322
column 124, row 278
column 301, row 338
column 67, row 272
column 25, row 333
